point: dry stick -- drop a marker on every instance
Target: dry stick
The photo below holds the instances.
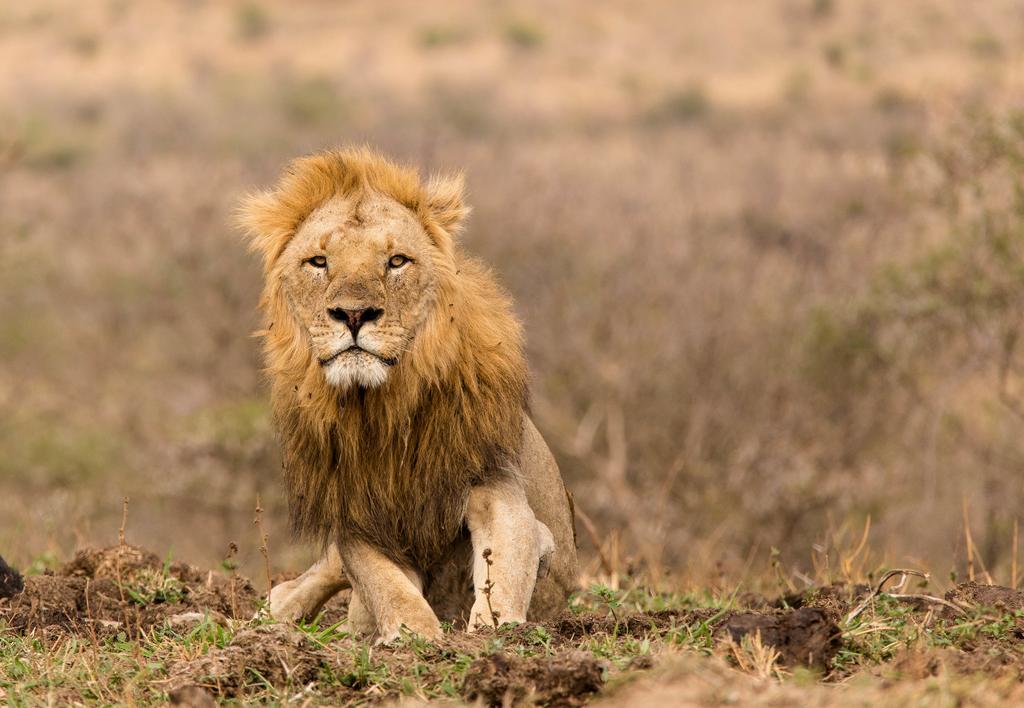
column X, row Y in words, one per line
column 121, row 545
column 930, row 598
column 904, row 572
column 229, row 564
column 591, row 530
column 117, row 561
column 1013, row 562
column 263, row 541
column 971, row 549
column 91, row 621
column 488, row 586
column 877, row 590
column 124, row 523
column 968, row 542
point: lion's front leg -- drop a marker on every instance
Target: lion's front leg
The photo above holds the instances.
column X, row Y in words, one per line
column 393, row 595
column 509, row 544
column 303, row 597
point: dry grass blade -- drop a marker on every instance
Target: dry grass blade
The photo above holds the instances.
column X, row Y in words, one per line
column 972, row 549
column 753, row 656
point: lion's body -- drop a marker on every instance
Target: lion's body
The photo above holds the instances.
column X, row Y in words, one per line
column 385, row 438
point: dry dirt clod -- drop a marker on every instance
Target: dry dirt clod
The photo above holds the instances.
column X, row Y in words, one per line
column 124, row 588
column 562, row 680
column 10, row 580
column 972, row 593
column 804, row 637
column 192, row 697
column 273, row 653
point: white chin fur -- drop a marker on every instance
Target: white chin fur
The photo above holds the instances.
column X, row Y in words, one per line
column 356, row 369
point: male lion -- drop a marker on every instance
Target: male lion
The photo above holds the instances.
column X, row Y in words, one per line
column 399, row 394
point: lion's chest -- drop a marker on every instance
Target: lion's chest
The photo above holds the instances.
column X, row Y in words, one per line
column 411, row 513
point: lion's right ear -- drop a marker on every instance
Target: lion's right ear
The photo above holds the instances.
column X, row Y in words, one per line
column 267, row 224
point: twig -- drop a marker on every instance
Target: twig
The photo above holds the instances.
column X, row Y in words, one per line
column 971, row 550
column 228, row 564
column 124, row 523
column 117, row 561
column 488, row 586
column 903, row 572
column 591, row 530
column 258, row 521
column 930, row 598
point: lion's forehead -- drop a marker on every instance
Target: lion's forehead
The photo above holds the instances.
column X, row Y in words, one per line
column 347, row 224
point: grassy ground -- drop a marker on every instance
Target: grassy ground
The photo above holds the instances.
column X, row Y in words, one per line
column 123, row 626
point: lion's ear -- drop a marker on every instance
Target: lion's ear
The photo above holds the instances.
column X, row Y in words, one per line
column 266, row 223
column 446, row 201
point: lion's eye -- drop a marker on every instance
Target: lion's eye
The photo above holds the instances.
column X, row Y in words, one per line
column 397, row 261
column 317, row 261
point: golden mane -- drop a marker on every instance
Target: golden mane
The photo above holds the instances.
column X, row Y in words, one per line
column 391, row 465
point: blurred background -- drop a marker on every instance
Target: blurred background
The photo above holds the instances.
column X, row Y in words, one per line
column 770, row 257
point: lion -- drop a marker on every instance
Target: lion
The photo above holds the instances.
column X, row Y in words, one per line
column 399, row 393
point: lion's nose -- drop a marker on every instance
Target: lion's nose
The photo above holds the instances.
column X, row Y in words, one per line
column 354, row 318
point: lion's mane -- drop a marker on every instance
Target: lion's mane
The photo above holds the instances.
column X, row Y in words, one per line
column 391, row 465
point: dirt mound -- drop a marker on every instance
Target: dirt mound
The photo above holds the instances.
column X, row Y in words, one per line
column 637, row 624
column 269, row 654
column 990, row 658
column 996, row 596
column 565, row 679
column 835, row 600
column 10, row 580
column 804, row 637
column 123, row 588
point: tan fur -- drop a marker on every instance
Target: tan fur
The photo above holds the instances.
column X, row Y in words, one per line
column 393, row 465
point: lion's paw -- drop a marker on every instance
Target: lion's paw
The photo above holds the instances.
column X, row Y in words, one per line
column 425, row 628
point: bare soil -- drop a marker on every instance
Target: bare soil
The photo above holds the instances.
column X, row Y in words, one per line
column 124, row 589
column 565, row 679
column 804, row 637
column 972, row 593
column 275, row 653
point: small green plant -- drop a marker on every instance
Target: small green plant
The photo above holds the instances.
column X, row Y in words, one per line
column 611, row 600
column 150, row 587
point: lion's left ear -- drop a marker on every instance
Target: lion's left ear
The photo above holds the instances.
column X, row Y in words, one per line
column 446, row 201
column 266, row 223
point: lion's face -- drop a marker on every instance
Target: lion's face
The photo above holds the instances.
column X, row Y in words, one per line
column 360, row 278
